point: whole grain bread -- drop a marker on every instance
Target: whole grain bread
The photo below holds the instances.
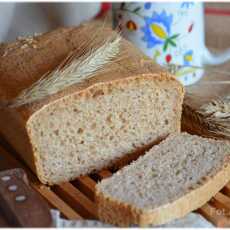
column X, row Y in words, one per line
column 172, row 179
column 90, row 125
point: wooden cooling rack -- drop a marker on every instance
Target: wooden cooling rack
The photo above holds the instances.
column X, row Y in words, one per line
column 75, row 200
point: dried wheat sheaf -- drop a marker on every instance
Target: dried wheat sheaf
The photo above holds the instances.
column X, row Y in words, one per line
column 74, row 69
column 211, row 119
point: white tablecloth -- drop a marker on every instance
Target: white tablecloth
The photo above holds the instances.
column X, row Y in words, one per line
column 192, row 220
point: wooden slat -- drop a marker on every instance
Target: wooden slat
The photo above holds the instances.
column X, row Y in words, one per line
column 77, row 200
column 226, row 190
column 7, row 161
column 86, row 185
column 58, row 203
column 221, row 201
column 104, row 174
column 214, row 216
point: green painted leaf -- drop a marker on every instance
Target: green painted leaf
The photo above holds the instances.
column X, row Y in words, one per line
column 174, row 36
column 165, row 46
column 171, row 42
column 137, row 9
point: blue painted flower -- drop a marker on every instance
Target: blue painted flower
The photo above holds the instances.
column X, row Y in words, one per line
column 157, row 29
column 147, row 5
column 188, row 56
column 186, row 5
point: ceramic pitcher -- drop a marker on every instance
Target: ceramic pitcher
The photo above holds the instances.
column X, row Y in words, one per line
column 172, row 34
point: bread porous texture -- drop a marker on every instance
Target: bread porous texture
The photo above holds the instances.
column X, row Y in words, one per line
column 170, row 180
column 122, row 109
column 90, row 130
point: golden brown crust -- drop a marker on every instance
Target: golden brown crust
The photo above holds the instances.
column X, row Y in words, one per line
column 89, row 93
column 20, row 67
column 119, row 213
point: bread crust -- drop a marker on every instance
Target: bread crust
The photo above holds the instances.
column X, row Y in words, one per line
column 20, row 68
column 89, row 93
column 57, row 45
column 113, row 211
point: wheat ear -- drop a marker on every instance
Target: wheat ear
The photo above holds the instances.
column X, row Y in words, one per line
column 73, row 70
column 212, row 117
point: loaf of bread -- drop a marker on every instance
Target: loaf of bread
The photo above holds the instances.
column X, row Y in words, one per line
column 91, row 125
column 174, row 178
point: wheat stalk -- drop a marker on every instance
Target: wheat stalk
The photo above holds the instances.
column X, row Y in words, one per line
column 218, row 108
column 212, row 119
column 73, row 70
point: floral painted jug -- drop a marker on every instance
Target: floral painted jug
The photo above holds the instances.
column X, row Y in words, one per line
column 172, row 34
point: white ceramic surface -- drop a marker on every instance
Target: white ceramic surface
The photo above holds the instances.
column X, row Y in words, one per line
column 170, row 33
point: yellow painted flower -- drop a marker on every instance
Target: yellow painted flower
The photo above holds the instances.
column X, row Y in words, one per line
column 188, row 57
column 159, row 31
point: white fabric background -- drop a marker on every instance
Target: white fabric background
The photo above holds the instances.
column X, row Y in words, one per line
column 20, row 19
column 192, row 220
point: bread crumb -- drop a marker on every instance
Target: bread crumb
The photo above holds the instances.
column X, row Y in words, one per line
column 5, row 53
column 20, row 38
column 24, row 46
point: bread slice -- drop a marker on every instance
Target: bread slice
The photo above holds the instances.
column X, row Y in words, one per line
column 90, row 125
column 174, row 178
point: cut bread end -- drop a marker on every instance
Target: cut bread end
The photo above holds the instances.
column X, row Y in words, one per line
column 174, row 178
column 92, row 129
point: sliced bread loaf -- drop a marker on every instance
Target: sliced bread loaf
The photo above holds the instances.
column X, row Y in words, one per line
column 89, row 125
column 174, row 178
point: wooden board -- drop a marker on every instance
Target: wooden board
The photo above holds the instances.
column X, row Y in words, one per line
column 75, row 200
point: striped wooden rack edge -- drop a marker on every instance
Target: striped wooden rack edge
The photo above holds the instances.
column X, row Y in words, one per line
column 75, row 200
